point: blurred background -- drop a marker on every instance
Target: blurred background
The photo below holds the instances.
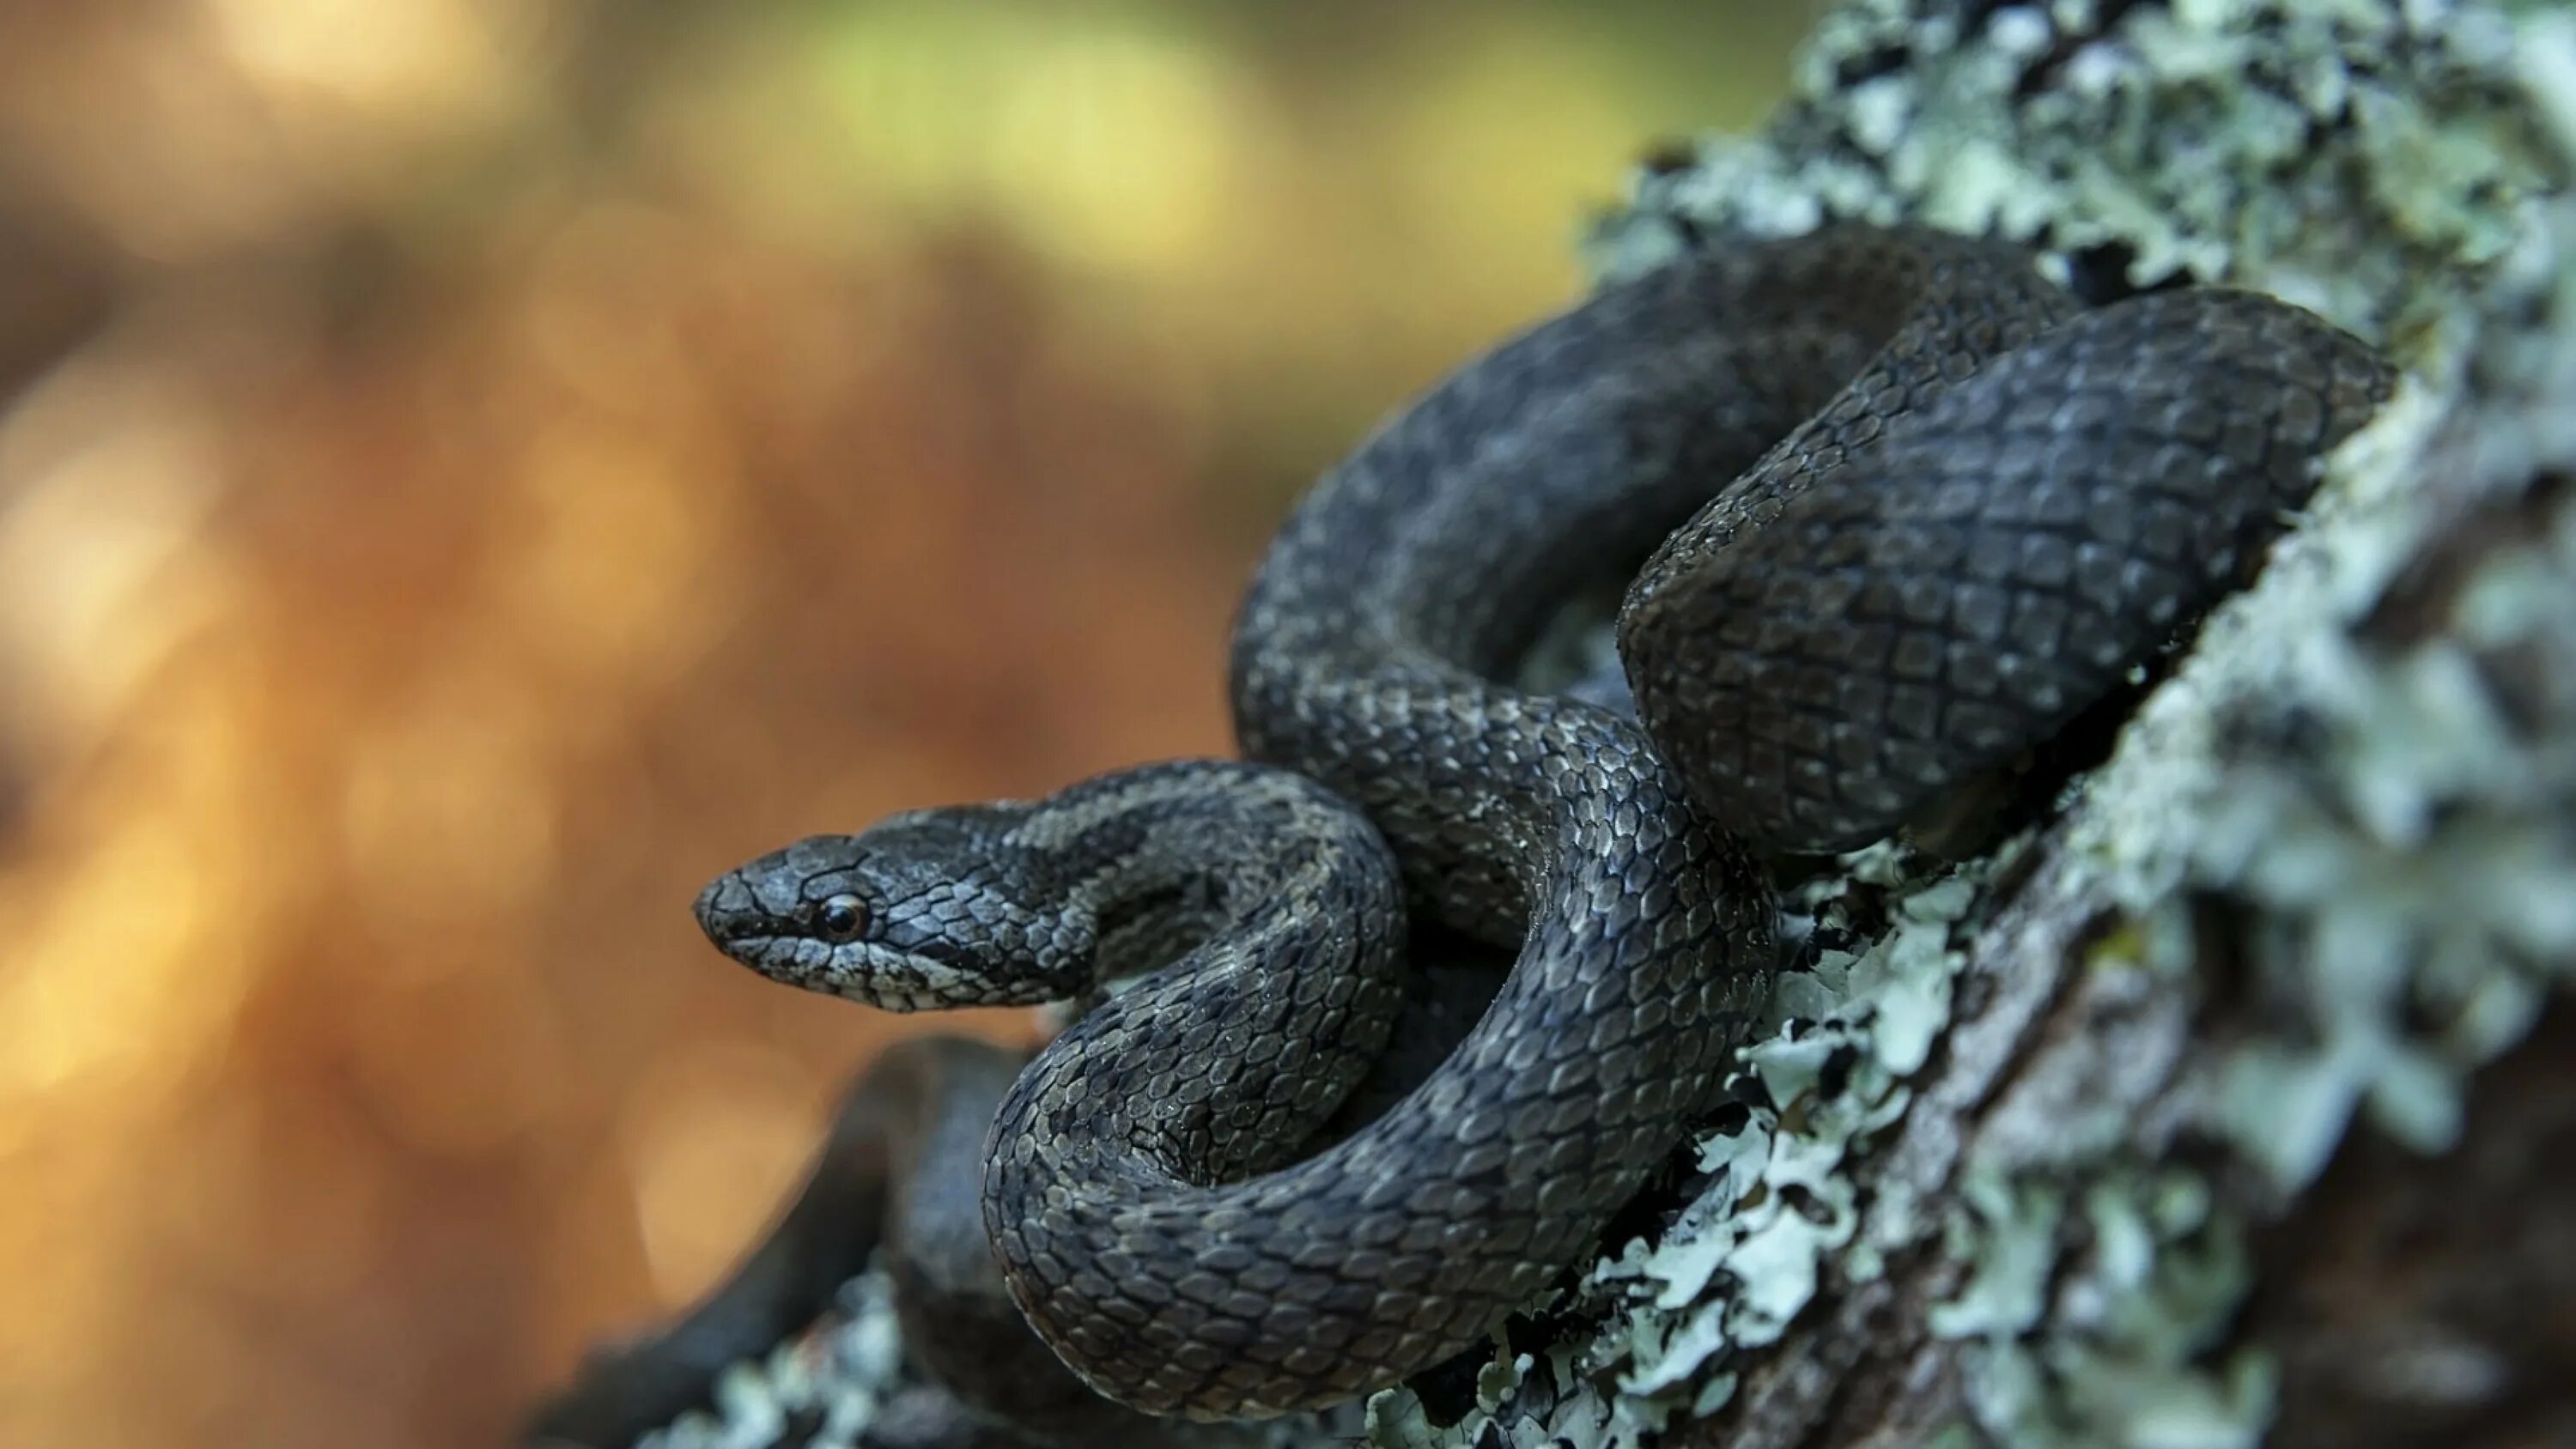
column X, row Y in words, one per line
column 472, row 469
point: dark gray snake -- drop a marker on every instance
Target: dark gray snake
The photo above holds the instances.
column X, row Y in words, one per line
column 1961, row 508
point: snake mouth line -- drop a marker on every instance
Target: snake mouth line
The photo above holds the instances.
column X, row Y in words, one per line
column 791, row 959
column 787, row 959
column 751, row 946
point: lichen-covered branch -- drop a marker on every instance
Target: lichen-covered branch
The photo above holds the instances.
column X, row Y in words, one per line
column 2231, row 1100
column 2330, row 869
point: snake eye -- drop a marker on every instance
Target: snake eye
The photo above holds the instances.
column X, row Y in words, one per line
column 842, row 917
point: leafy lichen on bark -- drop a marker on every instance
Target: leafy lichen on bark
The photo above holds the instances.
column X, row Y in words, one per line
column 2016, row 1162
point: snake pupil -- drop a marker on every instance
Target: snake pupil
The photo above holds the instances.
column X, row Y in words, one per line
column 842, row 917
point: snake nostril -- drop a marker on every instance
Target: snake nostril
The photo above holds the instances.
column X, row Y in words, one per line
column 726, row 909
column 707, row 908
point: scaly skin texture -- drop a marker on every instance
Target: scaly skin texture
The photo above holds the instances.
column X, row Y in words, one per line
column 1960, row 510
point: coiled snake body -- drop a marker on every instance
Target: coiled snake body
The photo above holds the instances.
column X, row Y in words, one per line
column 1961, row 507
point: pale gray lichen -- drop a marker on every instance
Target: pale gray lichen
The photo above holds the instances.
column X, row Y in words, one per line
column 2344, row 155
column 832, row 1379
column 846, row 1376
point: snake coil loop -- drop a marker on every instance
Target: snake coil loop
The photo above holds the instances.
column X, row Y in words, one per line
column 1904, row 508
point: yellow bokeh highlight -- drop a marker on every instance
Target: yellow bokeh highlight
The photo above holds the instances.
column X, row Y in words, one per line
column 618, row 551
column 448, row 813
column 109, row 987
column 715, row 1135
column 1114, row 149
column 106, row 474
column 410, row 60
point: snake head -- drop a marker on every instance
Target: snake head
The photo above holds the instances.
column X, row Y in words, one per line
column 917, row 912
